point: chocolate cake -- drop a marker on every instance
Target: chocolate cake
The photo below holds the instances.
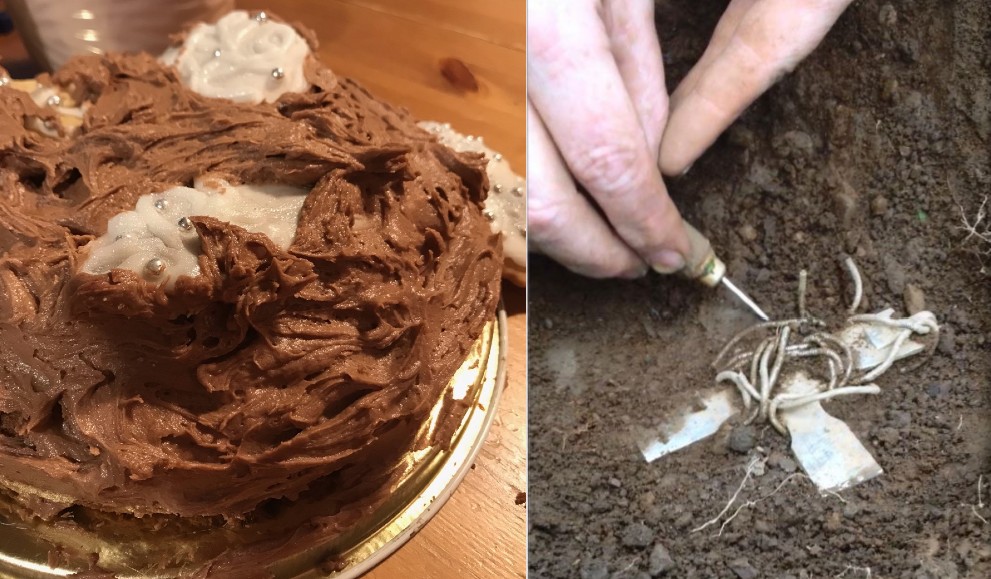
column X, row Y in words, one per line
column 169, row 347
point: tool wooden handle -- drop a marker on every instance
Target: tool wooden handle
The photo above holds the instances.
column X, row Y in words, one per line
column 701, row 262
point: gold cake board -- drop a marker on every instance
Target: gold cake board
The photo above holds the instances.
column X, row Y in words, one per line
column 432, row 477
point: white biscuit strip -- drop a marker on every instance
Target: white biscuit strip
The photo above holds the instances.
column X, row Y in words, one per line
column 70, row 115
column 506, row 203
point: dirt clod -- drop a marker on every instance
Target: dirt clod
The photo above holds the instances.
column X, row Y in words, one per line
column 782, row 462
column 595, row 569
column 660, row 561
column 879, row 206
column 742, row 439
column 887, row 16
column 915, row 299
column 637, row 535
column 743, row 569
column 748, row 232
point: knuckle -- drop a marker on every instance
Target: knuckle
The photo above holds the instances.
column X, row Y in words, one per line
column 546, row 220
column 611, row 171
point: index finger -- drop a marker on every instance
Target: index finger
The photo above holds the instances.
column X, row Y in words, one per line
column 769, row 40
column 579, row 94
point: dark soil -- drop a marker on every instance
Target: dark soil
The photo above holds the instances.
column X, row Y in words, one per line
column 873, row 147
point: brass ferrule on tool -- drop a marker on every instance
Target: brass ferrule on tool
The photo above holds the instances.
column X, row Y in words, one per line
column 701, row 264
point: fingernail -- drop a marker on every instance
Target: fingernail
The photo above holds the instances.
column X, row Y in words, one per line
column 636, row 273
column 668, row 261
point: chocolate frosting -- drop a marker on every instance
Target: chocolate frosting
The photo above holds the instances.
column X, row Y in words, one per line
column 273, row 368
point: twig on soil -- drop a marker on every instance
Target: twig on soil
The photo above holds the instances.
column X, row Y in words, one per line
column 980, row 500
column 837, row 495
column 632, row 564
column 803, row 280
column 978, row 230
column 858, row 285
column 865, row 570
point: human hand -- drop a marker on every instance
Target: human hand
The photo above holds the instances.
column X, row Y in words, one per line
column 597, row 109
column 755, row 43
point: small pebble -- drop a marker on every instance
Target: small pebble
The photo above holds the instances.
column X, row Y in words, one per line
column 748, row 232
column 887, row 16
column 879, row 205
column 784, row 463
column 742, row 439
column 637, row 535
column 594, row 569
column 889, row 90
column 899, row 418
column 850, row 510
column 743, row 569
column 915, row 299
column 660, row 561
column 614, row 482
column 833, row 522
column 947, row 341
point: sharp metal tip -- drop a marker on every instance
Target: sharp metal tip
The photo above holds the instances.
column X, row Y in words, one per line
column 745, row 299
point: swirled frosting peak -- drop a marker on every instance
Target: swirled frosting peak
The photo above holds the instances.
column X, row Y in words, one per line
column 243, row 58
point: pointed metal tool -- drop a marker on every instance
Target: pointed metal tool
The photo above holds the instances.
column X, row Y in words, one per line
column 703, row 266
column 744, row 298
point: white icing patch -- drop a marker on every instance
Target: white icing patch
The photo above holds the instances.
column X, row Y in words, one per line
column 153, row 230
column 241, row 58
column 506, row 203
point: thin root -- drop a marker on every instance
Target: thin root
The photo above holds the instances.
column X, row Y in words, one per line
column 803, row 280
column 858, row 285
column 746, row 477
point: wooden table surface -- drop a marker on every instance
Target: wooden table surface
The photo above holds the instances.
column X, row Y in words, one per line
column 395, row 48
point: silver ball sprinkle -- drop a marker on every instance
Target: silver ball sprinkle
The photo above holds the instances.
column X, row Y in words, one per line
column 161, row 204
column 497, row 188
column 261, row 16
column 497, row 157
column 155, row 266
column 185, row 223
column 278, row 73
column 217, row 53
column 4, row 80
column 489, row 215
column 518, row 191
column 54, row 100
column 470, row 138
